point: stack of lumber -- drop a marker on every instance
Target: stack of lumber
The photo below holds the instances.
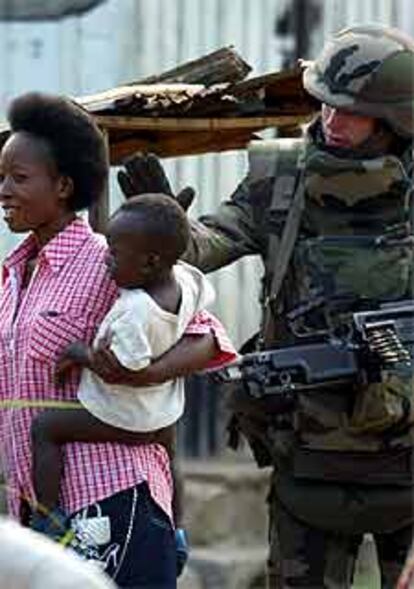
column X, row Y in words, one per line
column 204, row 105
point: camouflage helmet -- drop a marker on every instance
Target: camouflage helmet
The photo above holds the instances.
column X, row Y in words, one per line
column 368, row 70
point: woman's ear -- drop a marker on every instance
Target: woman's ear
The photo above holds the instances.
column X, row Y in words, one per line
column 65, row 187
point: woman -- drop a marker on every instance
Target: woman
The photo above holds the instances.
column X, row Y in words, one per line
column 56, row 289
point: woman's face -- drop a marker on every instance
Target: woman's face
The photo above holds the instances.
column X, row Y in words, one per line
column 33, row 195
column 346, row 129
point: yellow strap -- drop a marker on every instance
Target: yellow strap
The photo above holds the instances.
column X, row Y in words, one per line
column 38, row 404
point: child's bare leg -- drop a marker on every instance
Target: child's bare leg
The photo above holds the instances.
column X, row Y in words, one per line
column 53, row 428
column 178, row 491
column 181, row 539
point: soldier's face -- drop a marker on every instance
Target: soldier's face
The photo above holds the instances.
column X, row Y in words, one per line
column 345, row 129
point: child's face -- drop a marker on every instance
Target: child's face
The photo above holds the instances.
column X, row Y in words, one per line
column 130, row 261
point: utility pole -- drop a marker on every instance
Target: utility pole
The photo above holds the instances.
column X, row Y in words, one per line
column 294, row 27
column 301, row 26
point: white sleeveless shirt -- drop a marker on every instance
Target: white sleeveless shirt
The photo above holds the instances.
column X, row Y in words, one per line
column 139, row 331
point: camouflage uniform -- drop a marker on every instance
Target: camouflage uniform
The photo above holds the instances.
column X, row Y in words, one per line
column 337, row 474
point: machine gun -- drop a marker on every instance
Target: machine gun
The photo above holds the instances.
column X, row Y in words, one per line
column 378, row 340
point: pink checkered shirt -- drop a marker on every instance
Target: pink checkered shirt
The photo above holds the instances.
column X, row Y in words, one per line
column 68, row 296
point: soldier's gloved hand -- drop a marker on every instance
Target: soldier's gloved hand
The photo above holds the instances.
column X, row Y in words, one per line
column 144, row 173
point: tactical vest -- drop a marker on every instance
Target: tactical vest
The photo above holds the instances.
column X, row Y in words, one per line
column 353, row 248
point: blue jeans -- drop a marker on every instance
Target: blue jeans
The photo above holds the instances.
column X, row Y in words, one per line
column 141, row 551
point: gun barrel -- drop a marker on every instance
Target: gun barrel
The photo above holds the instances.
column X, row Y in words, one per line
column 297, row 365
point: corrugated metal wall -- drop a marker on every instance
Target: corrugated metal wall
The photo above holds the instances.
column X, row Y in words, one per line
column 341, row 13
column 125, row 39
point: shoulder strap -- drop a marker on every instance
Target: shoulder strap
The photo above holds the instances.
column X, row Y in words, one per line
column 273, row 157
column 282, row 159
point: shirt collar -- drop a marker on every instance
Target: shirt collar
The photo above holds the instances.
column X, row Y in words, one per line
column 63, row 246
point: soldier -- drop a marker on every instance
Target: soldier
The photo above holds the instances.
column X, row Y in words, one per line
column 331, row 216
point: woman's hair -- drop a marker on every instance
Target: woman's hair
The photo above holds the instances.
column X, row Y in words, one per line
column 163, row 219
column 76, row 144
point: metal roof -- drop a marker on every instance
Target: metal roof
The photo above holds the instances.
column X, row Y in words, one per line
column 43, row 9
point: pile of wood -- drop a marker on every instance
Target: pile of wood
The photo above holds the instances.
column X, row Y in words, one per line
column 205, row 105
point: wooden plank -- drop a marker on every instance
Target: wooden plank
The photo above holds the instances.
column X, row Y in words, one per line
column 199, row 124
column 180, row 144
column 163, row 135
column 222, row 65
column 109, row 98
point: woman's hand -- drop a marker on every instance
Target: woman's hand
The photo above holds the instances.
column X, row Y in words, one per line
column 106, row 365
column 76, row 354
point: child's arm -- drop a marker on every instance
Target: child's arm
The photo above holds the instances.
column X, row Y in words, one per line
column 204, row 345
column 191, row 354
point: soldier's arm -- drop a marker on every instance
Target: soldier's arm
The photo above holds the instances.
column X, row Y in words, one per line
column 216, row 239
column 228, row 234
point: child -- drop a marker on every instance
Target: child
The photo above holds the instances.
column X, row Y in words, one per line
column 158, row 298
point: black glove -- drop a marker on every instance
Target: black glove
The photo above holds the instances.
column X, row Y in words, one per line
column 144, row 174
